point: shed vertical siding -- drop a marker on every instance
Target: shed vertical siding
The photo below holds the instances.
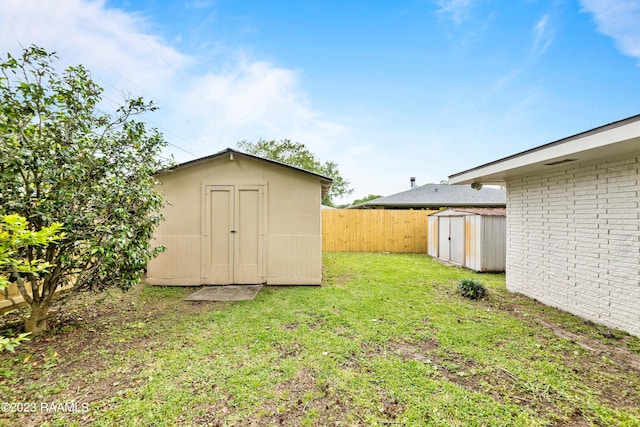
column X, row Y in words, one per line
column 494, row 238
column 473, row 242
column 432, row 236
column 179, row 233
column 294, row 243
column 573, row 239
column 289, row 234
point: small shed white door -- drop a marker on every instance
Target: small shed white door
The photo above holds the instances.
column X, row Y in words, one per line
column 456, row 240
column 232, row 240
column 444, row 238
column 451, row 239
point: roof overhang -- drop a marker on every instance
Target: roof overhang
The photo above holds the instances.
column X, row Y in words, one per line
column 615, row 139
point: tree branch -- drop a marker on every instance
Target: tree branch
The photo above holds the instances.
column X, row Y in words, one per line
column 20, row 283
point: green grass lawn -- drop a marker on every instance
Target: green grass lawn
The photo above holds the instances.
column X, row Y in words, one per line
column 385, row 341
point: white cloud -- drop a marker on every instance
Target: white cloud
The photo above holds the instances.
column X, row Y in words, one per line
column 109, row 42
column 203, row 113
column 505, row 81
column 199, row 4
column 254, row 100
column 455, row 10
column 619, row 20
column 542, row 35
column 519, row 112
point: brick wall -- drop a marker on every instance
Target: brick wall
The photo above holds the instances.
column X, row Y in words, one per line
column 573, row 240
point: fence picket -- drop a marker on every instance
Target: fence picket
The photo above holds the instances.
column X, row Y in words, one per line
column 375, row 230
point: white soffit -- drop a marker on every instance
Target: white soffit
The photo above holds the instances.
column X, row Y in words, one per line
column 615, row 139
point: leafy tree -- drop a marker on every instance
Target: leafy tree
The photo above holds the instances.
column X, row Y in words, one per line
column 366, row 199
column 298, row 155
column 64, row 160
column 14, row 235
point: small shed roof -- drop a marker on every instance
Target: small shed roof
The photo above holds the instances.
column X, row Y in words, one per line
column 617, row 138
column 324, row 180
column 478, row 211
column 440, row 195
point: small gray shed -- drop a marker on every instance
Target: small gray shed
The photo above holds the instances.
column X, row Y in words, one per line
column 474, row 238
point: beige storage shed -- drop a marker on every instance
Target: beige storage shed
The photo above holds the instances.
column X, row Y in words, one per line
column 474, row 238
column 234, row 218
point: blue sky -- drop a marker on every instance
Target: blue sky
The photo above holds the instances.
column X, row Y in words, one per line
column 387, row 89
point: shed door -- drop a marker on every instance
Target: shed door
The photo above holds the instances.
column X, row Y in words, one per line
column 451, row 239
column 456, row 248
column 443, row 238
column 232, row 240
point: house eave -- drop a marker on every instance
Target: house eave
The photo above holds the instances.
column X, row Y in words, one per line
column 615, row 139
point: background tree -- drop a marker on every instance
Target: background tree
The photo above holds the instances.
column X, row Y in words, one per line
column 366, row 199
column 64, row 160
column 297, row 154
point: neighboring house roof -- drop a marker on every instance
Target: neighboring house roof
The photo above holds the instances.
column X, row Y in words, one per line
column 439, row 195
column 617, row 138
column 324, row 180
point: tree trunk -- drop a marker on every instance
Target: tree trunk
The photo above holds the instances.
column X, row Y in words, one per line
column 37, row 322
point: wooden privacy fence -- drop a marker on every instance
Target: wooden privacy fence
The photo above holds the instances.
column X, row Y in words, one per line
column 375, row 230
column 11, row 296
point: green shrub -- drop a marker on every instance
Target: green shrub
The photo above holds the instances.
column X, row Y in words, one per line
column 10, row 344
column 471, row 288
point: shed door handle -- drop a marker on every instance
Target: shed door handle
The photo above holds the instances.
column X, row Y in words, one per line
column 233, row 231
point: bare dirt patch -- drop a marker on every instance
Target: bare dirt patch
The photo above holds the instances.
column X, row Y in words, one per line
column 301, row 399
column 85, row 338
column 609, row 353
column 506, row 387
